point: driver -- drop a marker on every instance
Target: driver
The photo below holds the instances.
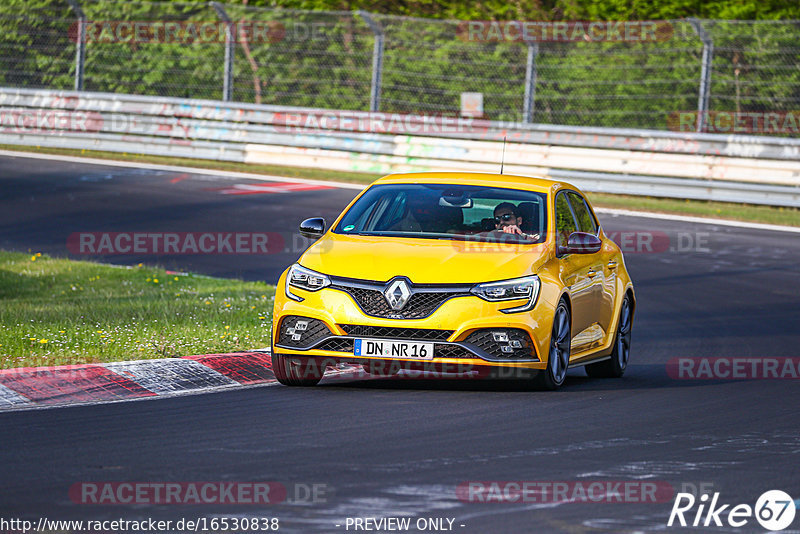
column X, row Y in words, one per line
column 508, row 220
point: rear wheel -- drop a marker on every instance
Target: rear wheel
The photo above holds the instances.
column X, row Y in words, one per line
column 554, row 374
column 616, row 365
column 297, row 370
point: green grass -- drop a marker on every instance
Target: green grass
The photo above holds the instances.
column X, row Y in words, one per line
column 718, row 210
column 58, row 312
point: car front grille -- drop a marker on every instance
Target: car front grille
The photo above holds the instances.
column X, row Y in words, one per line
column 419, row 305
column 440, row 350
column 393, row 332
column 305, row 333
column 337, row 344
column 451, row 351
column 423, row 301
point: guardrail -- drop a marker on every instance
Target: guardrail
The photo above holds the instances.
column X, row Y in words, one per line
column 751, row 169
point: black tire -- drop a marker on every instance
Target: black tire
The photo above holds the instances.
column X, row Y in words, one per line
column 297, row 370
column 553, row 376
column 621, row 353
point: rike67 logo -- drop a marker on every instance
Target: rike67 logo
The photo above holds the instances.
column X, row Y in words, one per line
column 774, row 510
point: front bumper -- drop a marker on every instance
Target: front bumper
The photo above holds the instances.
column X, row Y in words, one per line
column 463, row 330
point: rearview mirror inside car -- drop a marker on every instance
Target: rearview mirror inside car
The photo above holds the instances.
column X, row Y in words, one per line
column 455, row 199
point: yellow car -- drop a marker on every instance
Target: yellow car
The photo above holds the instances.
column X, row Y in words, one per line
column 457, row 272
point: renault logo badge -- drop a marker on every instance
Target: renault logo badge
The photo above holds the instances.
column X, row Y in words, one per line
column 397, row 294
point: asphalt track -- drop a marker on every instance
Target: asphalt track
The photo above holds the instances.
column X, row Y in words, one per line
column 43, row 202
column 398, row 447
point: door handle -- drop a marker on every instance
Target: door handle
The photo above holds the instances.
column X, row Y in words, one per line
column 592, row 273
column 612, row 265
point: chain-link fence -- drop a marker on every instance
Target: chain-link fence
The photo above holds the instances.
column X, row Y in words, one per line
column 578, row 75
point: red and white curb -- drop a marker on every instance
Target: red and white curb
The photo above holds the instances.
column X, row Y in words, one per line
column 110, row 382
column 38, row 387
column 33, row 387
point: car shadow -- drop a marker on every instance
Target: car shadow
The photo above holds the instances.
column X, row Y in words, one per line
column 637, row 377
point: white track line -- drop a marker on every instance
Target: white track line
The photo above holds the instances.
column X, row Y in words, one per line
column 343, row 185
column 699, row 220
column 177, row 168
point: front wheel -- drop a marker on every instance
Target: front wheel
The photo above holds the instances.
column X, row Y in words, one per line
column 297, row 370
column 616, row 365
column 552, row 376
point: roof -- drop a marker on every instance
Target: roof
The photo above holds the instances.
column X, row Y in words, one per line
column 534, row 183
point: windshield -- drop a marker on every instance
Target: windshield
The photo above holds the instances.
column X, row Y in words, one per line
column 445, row 211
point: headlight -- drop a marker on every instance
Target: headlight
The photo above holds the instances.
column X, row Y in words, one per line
column 517, row 288
column 306, row 279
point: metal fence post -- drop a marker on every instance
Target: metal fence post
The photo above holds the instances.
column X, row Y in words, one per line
column 705, row 73
column 530, row 83
column 227, row 76
column 377, row 61
column 80, row 47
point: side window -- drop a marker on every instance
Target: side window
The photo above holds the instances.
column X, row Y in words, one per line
column 586, row 222
column 565, row 223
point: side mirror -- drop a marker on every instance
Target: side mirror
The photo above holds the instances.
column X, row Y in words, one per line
column 312, row 228
column 581, row 243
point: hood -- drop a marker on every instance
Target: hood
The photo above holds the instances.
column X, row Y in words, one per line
column 423, row 261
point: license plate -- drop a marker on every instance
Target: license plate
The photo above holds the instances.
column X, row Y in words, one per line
column 409, row 350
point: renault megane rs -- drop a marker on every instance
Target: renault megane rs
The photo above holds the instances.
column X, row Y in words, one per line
column 457, row 271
